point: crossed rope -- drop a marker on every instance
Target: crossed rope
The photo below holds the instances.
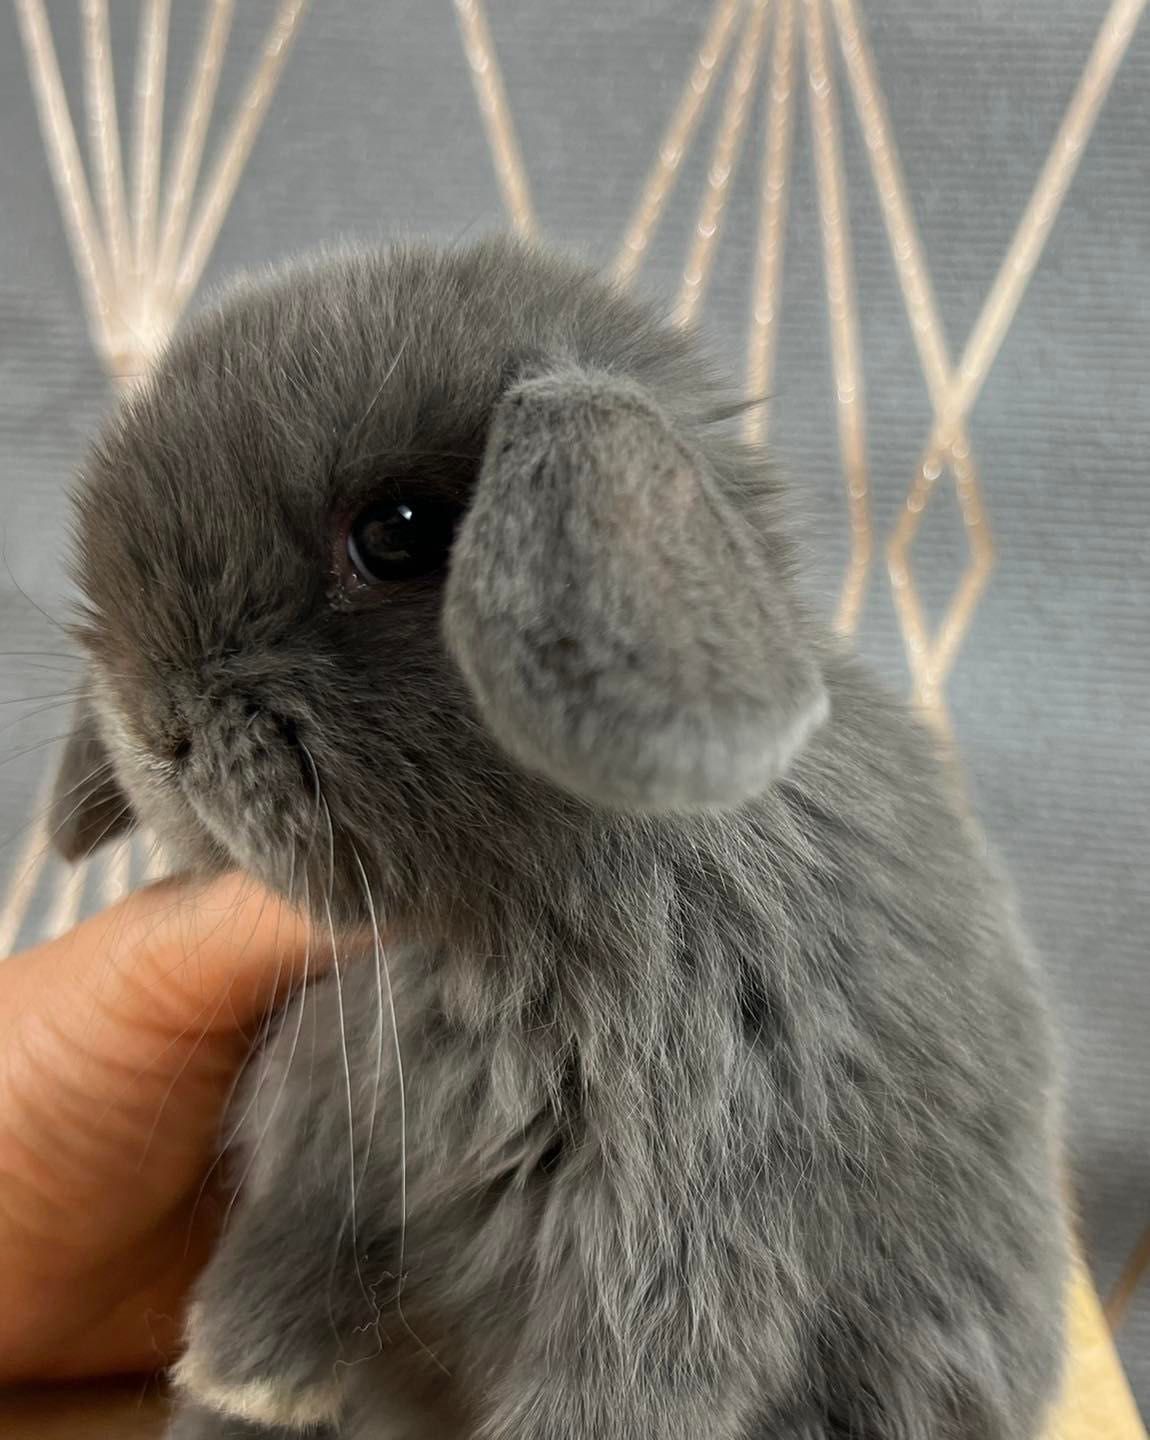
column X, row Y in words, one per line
column 139, row 252
column 140, row 249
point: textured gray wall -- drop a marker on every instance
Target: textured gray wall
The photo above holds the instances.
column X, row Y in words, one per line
column 374, row 132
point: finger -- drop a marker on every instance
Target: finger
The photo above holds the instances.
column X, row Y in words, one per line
column 226, row 941
column 186, row 956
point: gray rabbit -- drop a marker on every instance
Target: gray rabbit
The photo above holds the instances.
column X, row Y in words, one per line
column 696, row 1084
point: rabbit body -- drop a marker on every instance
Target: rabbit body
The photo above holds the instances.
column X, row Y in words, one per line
column 706, row 1092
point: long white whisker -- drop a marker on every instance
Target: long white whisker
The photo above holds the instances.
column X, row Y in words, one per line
column 236, row 1126
column 176, row 1078
column 378, row 1022
column 41, row 744
column 282, row 1087
column 25, row 875
column 353, row 1213
column 384, row 969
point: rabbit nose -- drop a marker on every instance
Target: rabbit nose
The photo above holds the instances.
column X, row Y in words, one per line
column 177, row 748
column 241, row 715
column 169, row 733
column 255, row 713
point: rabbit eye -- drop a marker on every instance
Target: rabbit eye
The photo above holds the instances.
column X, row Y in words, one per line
column 401, row 538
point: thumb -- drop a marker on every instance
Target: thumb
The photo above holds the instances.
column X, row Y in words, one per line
column 119, row 1045
column 191, row 958
column 225, row 951
column 121, row 1042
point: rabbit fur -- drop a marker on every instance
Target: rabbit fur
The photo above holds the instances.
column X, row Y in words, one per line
column 697, row 1084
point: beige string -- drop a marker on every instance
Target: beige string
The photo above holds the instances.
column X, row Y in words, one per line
column 677, row 137
column 1050, row 190
column 924, row 656
column 26, row 868
column 1133, row 1272
column 724, row 161
column 135, row 284
column 192, row 134
column 117, row 879
column 221, row 187
column 953, row 395
column 767, row 290
column 64, row 910
column 496, row 113
column 904, row 239
column 104, row 135
column 157, row 863
column 148, row 135
column 67, row 169
column 843, row 312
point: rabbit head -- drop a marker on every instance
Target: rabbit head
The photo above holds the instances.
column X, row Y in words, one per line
column 393, row 550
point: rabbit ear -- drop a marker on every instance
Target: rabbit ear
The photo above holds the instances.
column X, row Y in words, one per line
column 88, row 807
column 620, row 623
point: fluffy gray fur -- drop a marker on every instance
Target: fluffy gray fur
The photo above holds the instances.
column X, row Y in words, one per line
column 705, row 1092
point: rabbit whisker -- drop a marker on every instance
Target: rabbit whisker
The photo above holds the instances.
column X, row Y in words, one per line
column 17, row 720
column 383, row 971
column 353, row 1211
column 378, row 1044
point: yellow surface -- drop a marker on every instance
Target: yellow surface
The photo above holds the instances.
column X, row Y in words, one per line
column 1096, row 1402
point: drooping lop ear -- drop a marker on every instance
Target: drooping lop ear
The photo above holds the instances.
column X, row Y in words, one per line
column 88, row 807
column 620, row 624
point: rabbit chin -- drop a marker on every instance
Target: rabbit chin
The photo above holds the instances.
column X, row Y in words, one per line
column 320, row 871
column 191, row 839
column 201, row 832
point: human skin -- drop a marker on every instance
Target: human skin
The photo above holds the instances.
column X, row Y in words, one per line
column 120, row 1044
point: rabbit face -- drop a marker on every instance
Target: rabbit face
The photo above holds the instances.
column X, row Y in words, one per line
column 391, row 549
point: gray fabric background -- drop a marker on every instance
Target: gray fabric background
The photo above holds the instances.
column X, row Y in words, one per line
column 375, row 132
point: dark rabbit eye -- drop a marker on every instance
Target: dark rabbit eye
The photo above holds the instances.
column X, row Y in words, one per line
column 402, row 537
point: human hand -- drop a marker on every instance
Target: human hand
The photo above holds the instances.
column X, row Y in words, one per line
column 120, row 1043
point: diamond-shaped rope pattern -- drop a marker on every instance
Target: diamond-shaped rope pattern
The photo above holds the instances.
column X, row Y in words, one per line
column 135, row 277
column 1097, row 1399
column 138, row 268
